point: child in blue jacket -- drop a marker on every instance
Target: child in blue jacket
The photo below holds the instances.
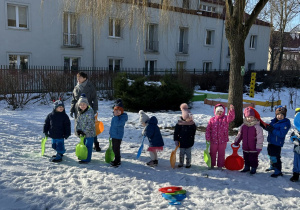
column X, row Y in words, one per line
column 152, row 131
column 58, row 127
column 116, row 131
column 277, row 131
column 295, row 138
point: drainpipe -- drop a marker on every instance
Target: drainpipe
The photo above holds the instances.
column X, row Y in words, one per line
column 93, row 39
column 221, row 45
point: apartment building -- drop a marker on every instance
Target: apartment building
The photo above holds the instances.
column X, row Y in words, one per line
column 35, row 34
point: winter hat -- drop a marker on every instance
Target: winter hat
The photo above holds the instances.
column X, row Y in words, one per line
column 119, row 105
column 143, row 117
column 183, row 106
column 297, row 110
column 83, row 99
column 219, row 108
column 249, row 112
column 281, row 110
column 58, row 103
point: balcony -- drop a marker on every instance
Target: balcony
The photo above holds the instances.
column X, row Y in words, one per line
column 151, row 46
column 72, row 40
column 183, row 48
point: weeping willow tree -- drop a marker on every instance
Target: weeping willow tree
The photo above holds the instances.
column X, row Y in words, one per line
column 137, row 12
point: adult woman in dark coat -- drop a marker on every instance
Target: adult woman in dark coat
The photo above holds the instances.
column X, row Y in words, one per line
column 84, row 86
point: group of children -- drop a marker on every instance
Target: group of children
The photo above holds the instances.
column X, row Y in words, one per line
column 57, row 126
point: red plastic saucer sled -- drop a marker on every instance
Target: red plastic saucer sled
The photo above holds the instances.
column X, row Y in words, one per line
column 234, row 162
column 170, row 189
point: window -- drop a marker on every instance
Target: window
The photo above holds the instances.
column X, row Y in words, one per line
column 71, row 36
column 150, row 66
column 186, row 4
column 114, row 27
column 251, row 66
column 207, row 66
column 183, row 41
column 71, row 63
column 152, row 38
column 18, row 61
column 114, row 65
column 210, row 34
column 253, row 40
column 17, row 16
column 206, row 7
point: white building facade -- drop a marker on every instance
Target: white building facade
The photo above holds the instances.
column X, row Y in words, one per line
column 32, row 34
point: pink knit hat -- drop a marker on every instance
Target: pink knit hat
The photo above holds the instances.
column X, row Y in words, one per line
column 249, row 112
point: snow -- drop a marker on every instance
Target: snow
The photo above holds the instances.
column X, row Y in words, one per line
column 30, row 181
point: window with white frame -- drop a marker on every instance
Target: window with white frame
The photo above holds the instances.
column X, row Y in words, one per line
column 185, row 4
column 183, row 45
column 251, row 66
column 114, row 64
column 17, row 16
column 18, row 61
column 210, row 36
column 206, row 8
column 114, row 27
column 152, row 38
column 207, row 66
column 150, row 66
column 253, row 41
column 71, row 36
column 71, row 63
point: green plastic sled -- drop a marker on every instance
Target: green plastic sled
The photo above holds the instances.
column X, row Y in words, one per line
column 43, row 145
column 109, row 154
column 207, row 158
column 81, row 150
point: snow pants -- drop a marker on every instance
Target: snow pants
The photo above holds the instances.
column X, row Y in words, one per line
column 251, row 159
column 274, row 152
column 59, row 145
column 188, row 153
column 220, row 149
column 296, row 166
column 88, row 142
column 116, row 146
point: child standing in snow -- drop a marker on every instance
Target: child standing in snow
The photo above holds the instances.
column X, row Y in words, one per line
column 184, row 133
column 252, row 135
column 277, row 131
column 116, row 131
column 85, row 125
column 295, row 138
column 152, row 131
column 58, row 127
column 217, row 134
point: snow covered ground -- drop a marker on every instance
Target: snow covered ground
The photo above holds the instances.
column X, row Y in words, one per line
column 30, row 181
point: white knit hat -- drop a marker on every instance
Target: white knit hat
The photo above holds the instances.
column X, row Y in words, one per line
column 143, row 117
column 219, row 108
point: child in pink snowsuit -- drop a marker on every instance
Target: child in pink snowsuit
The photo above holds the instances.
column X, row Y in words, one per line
column 217, row 134
column 252, row 135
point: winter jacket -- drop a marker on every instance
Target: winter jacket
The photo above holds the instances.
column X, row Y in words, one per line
column 91, row 94
column 217, row 128
column 85, row 122
column 281, row 127
column 252, row 136
column 116, row 130
column 185, row 133
column 295, row 139
column 57, row 125
column 153, row 133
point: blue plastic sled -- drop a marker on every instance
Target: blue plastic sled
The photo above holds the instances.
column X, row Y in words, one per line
column 141, row 148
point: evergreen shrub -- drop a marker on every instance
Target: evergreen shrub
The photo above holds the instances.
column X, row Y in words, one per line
column 137, row 95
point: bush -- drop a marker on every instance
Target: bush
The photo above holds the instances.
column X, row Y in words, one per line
column 136, row 96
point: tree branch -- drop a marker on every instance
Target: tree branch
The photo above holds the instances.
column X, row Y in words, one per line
column 229, row 8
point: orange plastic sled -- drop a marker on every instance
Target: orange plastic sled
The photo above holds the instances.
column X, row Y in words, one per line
column 173, row 156
column 98, row 125
column 234, row 162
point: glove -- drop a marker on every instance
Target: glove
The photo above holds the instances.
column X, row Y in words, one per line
column 262, row 125
column 67, row 137
column 296, row 142
column 80, row 133
column 72, row 114
column 235, row 145
column 176, row 143
column 258, row 151
column 46, row 134
column 270, row 128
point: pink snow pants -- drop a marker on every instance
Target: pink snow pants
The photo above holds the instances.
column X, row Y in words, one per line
column 220, row 149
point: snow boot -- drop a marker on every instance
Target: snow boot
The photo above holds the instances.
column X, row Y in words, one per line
column 277, row 173
column 97, row 147
column 152, row 163
column 271, row 168
column 246, row 169
column 83, row 162
column 253, row 171
column 188, row 163
column 57, row 158
column 295, row 177
column 115, row 163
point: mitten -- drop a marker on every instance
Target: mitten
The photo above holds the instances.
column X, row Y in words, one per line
column 236, row 144
column 262, row 125
column 80, row 133
column 270, row 128
column 176, row 143
column 46, row 134
column 258, row 151
column 72, row 114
